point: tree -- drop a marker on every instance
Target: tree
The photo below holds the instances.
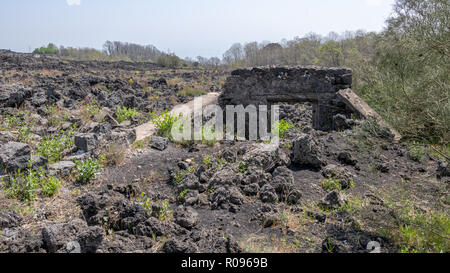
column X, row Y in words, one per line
column 50, row 49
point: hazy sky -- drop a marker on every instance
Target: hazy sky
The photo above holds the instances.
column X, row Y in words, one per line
column 186, row 27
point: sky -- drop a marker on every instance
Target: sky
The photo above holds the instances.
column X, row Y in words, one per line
column 188, row 28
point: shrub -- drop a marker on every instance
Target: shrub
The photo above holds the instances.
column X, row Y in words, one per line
column 331, row 184
column 180, row 174
column 208, row 135
column 164, row 123
column 50, row 186
column 124, row 113
column 87, row 170
column 165, row 213
column 53, row 148
column 168, row 60
column 145, row 202
column 280, row 127
column 27, row 185
column 50, row 49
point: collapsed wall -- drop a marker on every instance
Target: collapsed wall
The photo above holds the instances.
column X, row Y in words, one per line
column 271, row 85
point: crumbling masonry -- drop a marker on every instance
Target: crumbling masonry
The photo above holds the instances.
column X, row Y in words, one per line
column 328, row 89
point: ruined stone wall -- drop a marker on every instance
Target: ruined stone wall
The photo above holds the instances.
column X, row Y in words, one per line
column 269, row 85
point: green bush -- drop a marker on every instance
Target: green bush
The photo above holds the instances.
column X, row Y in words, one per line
column 331, row 184
column 145, row 202
column 164, row 123
column 50, row 186
column 420, row 232
column 208, row 135
column 53, row 148
column 124, row 113
column 280, row 127
column 50, row 49
column 87, row 170
column 22, row 125
column 169, row 60
column 26, row 186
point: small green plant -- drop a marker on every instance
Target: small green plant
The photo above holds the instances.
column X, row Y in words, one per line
column 165, row 213
column 87, row 170
column 145, row 202
column 55, row 116
column 422, row 232
column 182, row 195
column 139, row 145
column 124, row 113
column 27, row 185
column 243, row 167
column 93, row 108
column 180, row 174
column 164, row 123
column 53, row 148
column 331, row 184
column 329, row 246
column 50, row 186
column 279, row 128
column 23, row 126
column 208, row 135
column 416, row 151
column 207, row 161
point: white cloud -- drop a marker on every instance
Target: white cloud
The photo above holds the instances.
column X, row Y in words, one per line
column 73, row 2
column 374, row 3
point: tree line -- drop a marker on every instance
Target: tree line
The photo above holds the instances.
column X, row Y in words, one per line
column 115, row 51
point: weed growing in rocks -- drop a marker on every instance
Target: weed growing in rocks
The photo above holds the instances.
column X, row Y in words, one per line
column 53, row 148
column 180, row 174
column 145, row 202
column 55, row 116
column 87, row 170
column 243, row 167
column 192, row 92
column 124, row 113
column 165, row 213
column 21, row 125
column 182, row 195
column 421, row 232
column 26, row 186
column 280, row 127
column 164, row 123
column 331, row 184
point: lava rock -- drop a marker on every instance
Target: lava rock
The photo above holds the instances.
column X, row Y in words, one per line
column 62, row 168
column 344, row 177
column 9, row 219
column 186, row 217
column 159, row 143
column 347, row 158
column 333, row 200
column 14, row 156
column 307, row 152
column 86, row 142
column 268, row 194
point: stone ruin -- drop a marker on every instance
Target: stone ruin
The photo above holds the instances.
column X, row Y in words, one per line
column 271, row 85
column 328, row 89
